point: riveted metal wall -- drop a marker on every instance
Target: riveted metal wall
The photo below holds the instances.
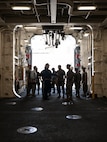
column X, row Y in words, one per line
column 6, row 63
column 100, row 60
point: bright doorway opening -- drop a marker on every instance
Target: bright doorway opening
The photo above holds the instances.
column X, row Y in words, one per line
column 42, row 53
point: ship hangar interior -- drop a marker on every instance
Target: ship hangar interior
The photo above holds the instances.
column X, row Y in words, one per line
column 53, row 120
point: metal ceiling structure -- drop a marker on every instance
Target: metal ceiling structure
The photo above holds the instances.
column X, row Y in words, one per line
column 53, row 12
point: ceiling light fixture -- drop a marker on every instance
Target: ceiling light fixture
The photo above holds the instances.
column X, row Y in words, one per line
column 30, row 28
column 21, row 7
column 86, row 34
column 86, row 7
column 25, row 40
column 79, row 40
column 76, row 28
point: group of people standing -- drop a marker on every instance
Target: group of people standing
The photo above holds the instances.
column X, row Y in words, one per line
column 56, row 80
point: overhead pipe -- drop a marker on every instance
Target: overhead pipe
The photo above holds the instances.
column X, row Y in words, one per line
column 92, row 62
column 43, row 4
column 88, row 14
column 37, row 15
column 48, row 10
column 14, row 57
column 70, row 9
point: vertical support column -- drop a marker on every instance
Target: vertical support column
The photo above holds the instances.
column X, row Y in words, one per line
column 53, row 6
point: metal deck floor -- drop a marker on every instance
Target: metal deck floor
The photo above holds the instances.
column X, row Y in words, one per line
column 51, row 123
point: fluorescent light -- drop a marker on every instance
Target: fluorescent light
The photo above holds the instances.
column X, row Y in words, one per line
column 76, row 28
column 21, row 7
column 86, row 34
column 29, row 44
column 90, row 57
column 86, row 7
column 79, row 40
column 30, row 28
column 25, row 40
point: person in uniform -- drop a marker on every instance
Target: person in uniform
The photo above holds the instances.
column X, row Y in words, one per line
column 54, row 77
column 60, row 81
column 38, row 81
column 32, row 77
column 28, row 87
column 77, row 81
column 46, row 81
column 69, row 82
column 84, row 81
